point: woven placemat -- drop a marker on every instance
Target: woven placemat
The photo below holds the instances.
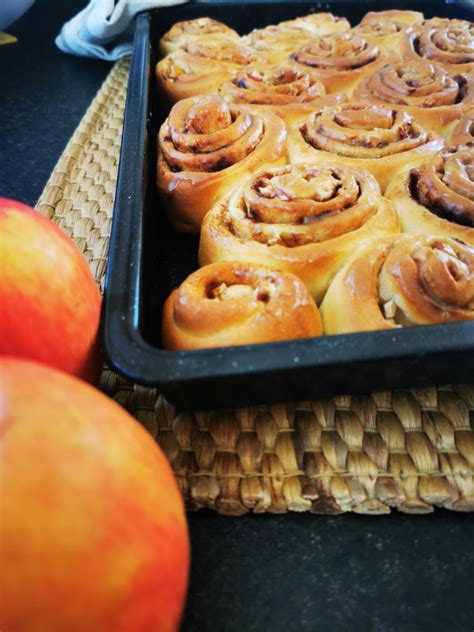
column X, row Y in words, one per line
column 412, row 450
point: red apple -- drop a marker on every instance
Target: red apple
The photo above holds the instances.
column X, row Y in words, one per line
column 50, row 303
column 93, row 533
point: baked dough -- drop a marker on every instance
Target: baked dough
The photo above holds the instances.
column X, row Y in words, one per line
column 463, row 131
column 235, row 303
column 189, row 30
column 288, row 92
column 372, row 137
column 402, row 281
column 340, row 60
column 446, row 43
column 433, row 97
column 437, row 198
column 304, row 219
column 205, row 148
column 181, row 75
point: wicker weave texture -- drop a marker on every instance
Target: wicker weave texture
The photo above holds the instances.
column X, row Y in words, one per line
column 411, row 450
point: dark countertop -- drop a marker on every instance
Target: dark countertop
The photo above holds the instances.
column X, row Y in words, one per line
column 287, row 572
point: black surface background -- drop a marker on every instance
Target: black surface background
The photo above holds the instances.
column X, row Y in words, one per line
column 290, row 572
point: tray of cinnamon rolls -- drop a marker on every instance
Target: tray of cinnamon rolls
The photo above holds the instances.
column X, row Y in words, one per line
column 294, row 214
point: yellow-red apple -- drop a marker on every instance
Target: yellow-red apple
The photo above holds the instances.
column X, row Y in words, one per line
column 93, row 533
column 50, row 303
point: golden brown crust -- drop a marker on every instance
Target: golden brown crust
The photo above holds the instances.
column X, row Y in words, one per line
column 463, row 131
column 387, row 29
column 302, row 219
column 438, row 197
column 402, row 281
column 189, row 30
column 340, row 61
column 206, row 147
column 288, row 92
column 385, row 34
column 446, row 43
column 371, row 137
column 235, row 303
column 223, row 51
column 200, row 66
column 180, row 76
column 276, row 43
column 432, row 96
column 317, row 24
column 408, row 18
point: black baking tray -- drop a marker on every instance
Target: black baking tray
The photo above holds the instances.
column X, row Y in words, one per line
column 147, row 260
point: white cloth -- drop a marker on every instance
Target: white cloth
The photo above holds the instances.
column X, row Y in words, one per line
column 104, row 28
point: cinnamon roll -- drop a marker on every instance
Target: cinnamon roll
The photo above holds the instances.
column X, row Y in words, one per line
column 447, row 43
column 288, row 92
column 340, row 61
column 438, row 197
column 189, row 30
column 276, row 43
column 399, row 282
column 431, row 95
column 408, row 18
column 235, row 303
column 180, row 76
column 206, row 146
column 223, row 51
column 304, row 219
column 371, row 137
column 318, row 24
column 384, row 33
column 463, row 131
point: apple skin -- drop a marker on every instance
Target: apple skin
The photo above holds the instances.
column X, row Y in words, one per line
column 93, row 531
column 50, row 302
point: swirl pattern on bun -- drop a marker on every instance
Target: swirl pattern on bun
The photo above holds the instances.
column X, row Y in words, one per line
column 370, row 137
column 407, row 18
column 304, row 219
column 437, row 198
column 289, row 92
column 431, row 95
column 206, row 146
column 180, row 76
column 235, row 303
column 385, row 34
column 399, row 282
column 276, row 43
column 340, row 61
column 189, row 30
column 223, row 51
column 447, row 43
column 318, row 24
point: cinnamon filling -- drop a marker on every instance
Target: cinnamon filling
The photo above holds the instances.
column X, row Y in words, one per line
column 446, row 275
column 297, row 205
column 363, row 131
column 222, row 50
column 273, row 87
column 208, row 135
column 341, row 51
column 426, row 280
column 450, row 43
column 239, row 291
column 208, row 117
column 420, row 84
column 445, row 186
column 200, row 26
column 381, row 28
